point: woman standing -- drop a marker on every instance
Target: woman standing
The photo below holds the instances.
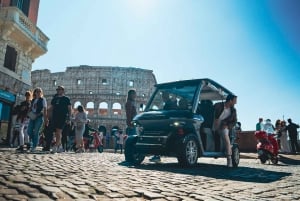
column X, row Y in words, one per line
column 80, row 121
column 22, row 116
column 38, row 109
column 284, row 144
column 278, row 131
column 130, row 111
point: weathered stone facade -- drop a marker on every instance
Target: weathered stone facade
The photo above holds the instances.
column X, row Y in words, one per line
column 102, row 90
column 21, row 42
column 20, row 35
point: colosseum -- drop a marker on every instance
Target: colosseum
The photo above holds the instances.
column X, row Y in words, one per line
column 102, row 90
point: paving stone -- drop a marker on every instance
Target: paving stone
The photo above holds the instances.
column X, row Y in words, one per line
column 70, row 176
column 152, row 195
column 16, row 197
column 114, row 195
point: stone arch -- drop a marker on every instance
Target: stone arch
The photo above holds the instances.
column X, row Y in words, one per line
column 103, row 108
column 90, row 108
column 116, row 109
column 76, row 104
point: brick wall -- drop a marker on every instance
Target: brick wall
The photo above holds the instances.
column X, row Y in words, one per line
column 247, row 141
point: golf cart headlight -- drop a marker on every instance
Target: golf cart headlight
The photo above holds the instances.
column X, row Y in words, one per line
column 178, row 123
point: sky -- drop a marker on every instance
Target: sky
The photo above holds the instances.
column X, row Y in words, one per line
column 251, row 47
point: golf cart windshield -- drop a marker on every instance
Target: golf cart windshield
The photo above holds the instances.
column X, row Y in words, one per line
column 173, row 98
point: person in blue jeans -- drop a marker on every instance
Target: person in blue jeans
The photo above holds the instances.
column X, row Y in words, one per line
column 39, row 109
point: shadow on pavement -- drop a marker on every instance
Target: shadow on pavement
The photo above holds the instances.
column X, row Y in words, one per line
column 288, row 160
column 245, row 174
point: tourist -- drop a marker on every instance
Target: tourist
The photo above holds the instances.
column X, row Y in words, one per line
column 38, row 115
column 61, row 112
column 225, row 120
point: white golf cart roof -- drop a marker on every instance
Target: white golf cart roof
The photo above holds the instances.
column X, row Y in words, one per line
column 210, row 90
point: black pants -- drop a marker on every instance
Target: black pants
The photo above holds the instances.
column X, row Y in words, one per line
column 294, row 144
column 49, row 135
column 65, row 133
column 119, row 146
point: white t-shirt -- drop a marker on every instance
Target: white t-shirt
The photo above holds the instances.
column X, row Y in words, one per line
column 226, row 113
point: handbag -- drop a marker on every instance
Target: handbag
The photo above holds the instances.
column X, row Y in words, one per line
column 32, row 115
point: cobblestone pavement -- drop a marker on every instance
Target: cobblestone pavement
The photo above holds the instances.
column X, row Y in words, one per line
column 104, row 176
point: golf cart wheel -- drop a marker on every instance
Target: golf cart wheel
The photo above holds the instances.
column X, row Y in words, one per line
column 235, row 156
column 188, row 155
column 131, row 155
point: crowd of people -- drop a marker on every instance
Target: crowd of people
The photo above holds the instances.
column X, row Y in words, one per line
column 287, row 134
column 55, row 127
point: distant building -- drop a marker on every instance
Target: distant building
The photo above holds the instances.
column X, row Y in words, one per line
column 102, row 90
column 21, row 42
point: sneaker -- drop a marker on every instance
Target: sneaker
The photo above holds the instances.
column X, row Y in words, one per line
column 46, row 149
column 60, row 149
column 155, row 159
column 79, row 150
column 28, row 145
column 21, row 148
column 54, row 149
column 32, row 149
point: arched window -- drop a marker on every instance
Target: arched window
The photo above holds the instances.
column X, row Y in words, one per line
column 103, row 108
column 116, row 109
column 76, row 104
column 90, row 108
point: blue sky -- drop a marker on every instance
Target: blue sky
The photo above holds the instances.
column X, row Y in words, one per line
column 251, row 47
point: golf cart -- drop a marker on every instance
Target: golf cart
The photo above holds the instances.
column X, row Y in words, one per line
column 177, row 121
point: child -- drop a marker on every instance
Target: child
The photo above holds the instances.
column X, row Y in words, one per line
column 120, row 141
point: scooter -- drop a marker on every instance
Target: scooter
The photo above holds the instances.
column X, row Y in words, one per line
column 267, row 147
column 96, row 143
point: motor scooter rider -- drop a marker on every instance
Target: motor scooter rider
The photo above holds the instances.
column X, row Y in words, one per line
column 270, row 130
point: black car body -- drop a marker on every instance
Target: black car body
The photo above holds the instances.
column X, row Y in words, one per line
column 177, row 121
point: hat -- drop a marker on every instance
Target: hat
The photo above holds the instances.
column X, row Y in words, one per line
column 60, row 87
